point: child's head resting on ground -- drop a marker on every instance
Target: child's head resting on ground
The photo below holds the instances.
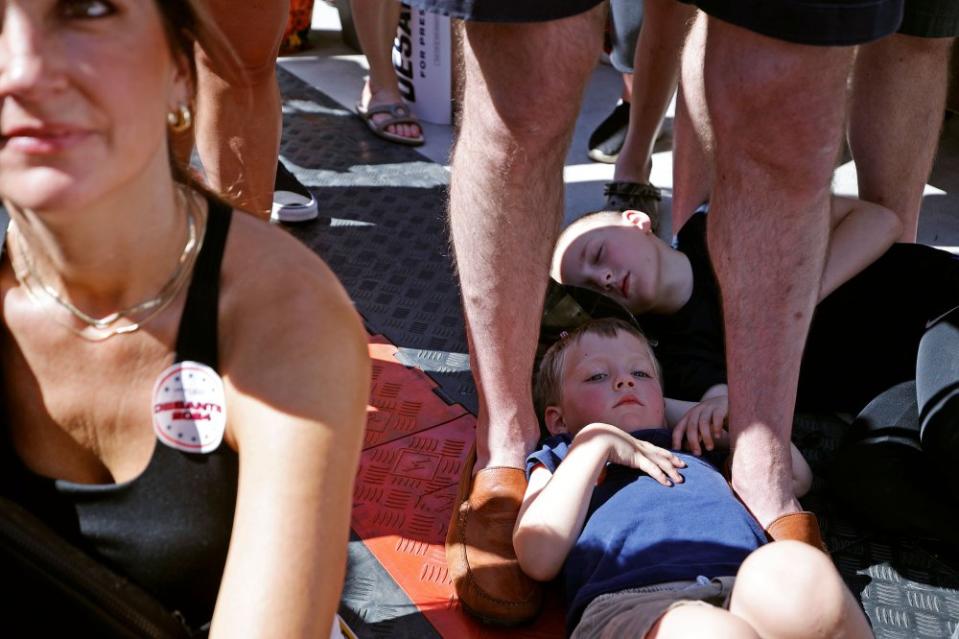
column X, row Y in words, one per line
column 603, row 371
column 618, row 255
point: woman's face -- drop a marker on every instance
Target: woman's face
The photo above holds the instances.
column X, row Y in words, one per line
column 85, row 88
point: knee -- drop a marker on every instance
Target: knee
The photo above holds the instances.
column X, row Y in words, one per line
column 253, row 32
column 774, row 105
column 808, row 589
column 524, row 83
column 696, row 620
column 250, row 66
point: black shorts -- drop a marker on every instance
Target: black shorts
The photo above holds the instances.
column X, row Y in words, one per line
column 837, row 22
column 506, row 10
column 816, row 22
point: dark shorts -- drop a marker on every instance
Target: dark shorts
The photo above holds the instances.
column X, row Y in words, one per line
column 506, row 10
column 816, row 22
column 633, row 612
column 837, row 22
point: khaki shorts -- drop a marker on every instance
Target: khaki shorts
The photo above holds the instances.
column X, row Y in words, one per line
column 633, row 612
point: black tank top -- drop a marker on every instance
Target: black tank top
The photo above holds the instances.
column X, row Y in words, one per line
column 169, row 528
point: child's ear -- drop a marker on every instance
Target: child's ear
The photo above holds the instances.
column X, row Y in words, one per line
column 554, row 420
column 639, row 219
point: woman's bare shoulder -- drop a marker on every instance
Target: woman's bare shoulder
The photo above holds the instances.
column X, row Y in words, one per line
column 272, row 282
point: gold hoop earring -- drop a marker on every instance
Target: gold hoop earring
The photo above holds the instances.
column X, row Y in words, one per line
column 180, row 119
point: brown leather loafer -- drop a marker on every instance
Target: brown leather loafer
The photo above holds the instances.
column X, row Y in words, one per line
column 802, row 526
column 479, row 548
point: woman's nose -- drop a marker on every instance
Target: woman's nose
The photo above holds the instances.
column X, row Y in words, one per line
column 625, row 381
column 23, row 63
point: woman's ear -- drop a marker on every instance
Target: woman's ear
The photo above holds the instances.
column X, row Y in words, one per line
column 182, row 82
column 638, row 219
column 554, row 420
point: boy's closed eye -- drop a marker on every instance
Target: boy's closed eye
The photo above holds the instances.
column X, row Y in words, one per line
column 596, row 377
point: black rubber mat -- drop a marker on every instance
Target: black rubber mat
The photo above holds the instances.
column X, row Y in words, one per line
column 382, row 230
column 373, row 605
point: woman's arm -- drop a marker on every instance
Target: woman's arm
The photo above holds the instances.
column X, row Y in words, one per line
column 296, row 369
column 554, row 507
column 860, row 233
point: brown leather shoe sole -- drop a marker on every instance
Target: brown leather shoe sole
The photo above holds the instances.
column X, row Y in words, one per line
column 479, row 547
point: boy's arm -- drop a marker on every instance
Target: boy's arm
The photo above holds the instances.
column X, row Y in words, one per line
column 676, row 409
column 554, row 506
column 704, row 425
column 860, row 233
column 802, row 473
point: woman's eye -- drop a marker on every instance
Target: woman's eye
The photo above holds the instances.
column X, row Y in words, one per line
column 86, row 9
column 643, row 374
column 599, row 254
column 598, row 377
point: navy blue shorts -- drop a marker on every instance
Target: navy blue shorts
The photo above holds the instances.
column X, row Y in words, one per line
column 815, row 22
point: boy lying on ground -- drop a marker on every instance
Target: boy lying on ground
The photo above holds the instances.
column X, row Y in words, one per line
column 888, row 314
column 645, row 551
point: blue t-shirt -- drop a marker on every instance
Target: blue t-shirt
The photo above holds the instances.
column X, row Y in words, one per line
column 639, row 532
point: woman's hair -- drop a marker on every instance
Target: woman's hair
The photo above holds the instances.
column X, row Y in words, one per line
column 547, row 389
column 189, row 26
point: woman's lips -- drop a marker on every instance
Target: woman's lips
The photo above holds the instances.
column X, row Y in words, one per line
column 624, row 287
column 629, row 399
column 42, row 141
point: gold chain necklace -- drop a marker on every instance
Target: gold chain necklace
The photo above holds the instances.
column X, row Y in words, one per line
column 148, row 309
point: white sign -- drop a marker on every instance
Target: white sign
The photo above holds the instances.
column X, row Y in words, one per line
column 422, row 58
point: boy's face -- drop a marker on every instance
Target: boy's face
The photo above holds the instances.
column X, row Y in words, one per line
column 617, row 259
column 610, row 380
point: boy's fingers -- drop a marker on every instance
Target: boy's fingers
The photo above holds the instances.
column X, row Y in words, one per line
column 667, row 462
column 678, row 433
column 717, row 424
column 654, row 471
column 707, row 435
column 692, row 439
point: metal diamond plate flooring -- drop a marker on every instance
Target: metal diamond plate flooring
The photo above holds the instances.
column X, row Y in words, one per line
column 382, row 230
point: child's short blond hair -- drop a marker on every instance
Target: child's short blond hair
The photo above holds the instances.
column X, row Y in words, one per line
column 547, row 389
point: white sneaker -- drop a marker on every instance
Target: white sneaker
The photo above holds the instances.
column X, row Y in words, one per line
column 292, row 202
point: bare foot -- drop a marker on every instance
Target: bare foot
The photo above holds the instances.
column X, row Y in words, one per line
column 381, row 97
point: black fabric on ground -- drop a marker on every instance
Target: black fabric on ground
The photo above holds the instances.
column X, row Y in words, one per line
column 937, row 388
column 883, row 476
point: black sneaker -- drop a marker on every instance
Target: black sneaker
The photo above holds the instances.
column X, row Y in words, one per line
column 607, row 140
column 292, row 202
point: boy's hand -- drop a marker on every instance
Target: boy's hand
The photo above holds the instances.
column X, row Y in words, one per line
column 705, row 422
column 625, row 450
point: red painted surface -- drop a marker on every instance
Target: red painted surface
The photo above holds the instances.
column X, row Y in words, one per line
column 414, row 450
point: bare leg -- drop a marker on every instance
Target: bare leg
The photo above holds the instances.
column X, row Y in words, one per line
column 627, row 95
column 790, row 590
column 239, row 164
column 898, row 98
column 698, row 620
column 692, row 182
column 655, row 70
column 506, row 202
column 776, row 114
column 375, row 22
